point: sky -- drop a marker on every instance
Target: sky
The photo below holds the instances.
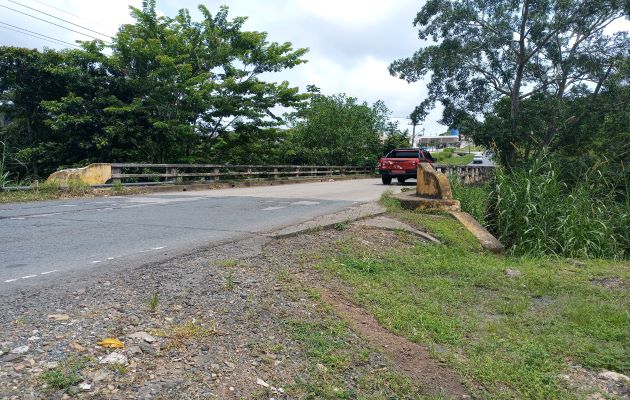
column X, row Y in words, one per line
column 351, row 42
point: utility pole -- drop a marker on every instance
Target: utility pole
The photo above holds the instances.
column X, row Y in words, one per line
column 413, row 136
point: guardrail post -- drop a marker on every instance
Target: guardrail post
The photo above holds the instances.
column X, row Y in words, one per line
column 216, row 172
column 116, row 171
column 275, row 173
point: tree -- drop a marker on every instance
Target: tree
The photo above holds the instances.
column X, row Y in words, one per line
column 338, row 130
column 486, row 51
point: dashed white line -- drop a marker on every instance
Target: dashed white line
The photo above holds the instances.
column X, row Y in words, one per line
column 11, row 280
column 158, row 248
column 96, row 262
column 48, row 272
column 274, row 208
column 17, row 218
column 28, row 276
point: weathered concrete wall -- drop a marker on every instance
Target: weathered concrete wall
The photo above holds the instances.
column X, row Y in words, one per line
column 93, row 174
column 467, row 174
column 432, row 184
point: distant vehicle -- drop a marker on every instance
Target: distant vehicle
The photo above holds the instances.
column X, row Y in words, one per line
column 402, row 164
column 478, row 159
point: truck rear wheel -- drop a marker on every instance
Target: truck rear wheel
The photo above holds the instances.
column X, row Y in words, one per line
column 402, row 180
column 386, row 179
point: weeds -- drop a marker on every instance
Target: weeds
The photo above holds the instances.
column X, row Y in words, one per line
column 229, row 284
column 117, row 188
column 228, row 263
column 77, row 187
column 4, row 175
column 153, row 301
column 66, row 375
column 192, row 330
column 340, row 226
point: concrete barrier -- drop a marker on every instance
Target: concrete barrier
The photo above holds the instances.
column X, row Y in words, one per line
column 93, row 174
column 433, row 192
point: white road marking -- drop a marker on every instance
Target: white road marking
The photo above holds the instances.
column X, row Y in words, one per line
column 96, row 262
column 274, row 208
column 306, row 203
column 11, row 280
column 43, row 215
column 110, row 258
column 48, row 272
column 158, row 248
column 68, row 205
column 28, row 276
column 17, row 218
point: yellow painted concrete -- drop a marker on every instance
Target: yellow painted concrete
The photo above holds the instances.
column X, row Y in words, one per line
column 485, row 238
column 432, row 184
column 93, row 174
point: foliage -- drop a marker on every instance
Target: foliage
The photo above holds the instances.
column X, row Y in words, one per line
column 473, row 198
column 4, row 175
column 483, row 52
column 66, row 375
column 168, row 89
column 338, row 130
column 534, row 212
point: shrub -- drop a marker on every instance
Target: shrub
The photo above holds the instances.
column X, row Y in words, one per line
column 533, row 211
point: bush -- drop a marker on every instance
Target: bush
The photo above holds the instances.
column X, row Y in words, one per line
column 533, row 211
column 473, row 198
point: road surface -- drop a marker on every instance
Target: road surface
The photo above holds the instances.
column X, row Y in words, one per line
column 486, row 162
column 45, row 240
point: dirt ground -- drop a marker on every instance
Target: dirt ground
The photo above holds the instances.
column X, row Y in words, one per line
column 228, row 322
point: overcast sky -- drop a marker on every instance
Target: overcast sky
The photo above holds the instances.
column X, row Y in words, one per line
column 351, row 42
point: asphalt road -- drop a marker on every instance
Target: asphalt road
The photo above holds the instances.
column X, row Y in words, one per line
column 40, row 241
column 487, row 161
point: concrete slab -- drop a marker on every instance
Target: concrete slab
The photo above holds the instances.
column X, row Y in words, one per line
column 395, row 225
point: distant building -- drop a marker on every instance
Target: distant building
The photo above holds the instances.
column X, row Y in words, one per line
column 439, row 142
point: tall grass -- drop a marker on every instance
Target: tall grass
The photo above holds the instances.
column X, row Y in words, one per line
column 534, row 212
column 473, row 198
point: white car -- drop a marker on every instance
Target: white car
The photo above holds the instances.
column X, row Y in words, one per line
column 477, row 159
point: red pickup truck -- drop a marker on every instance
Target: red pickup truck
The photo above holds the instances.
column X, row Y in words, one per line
column 402, row 164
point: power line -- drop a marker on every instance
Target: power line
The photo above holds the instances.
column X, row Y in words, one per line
column 36, row 35
column 60, row 19
column 69, row 13
column 52, row 23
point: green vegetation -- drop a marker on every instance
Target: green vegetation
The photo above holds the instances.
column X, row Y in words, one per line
column 66, row 374
column 228, row 263
column 229, row 282
column 510, row 337
column 333, row 353
column 473, row 198
column 153, row 301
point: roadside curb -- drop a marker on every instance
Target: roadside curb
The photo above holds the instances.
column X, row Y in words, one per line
column 351, row 214
column 485, row 238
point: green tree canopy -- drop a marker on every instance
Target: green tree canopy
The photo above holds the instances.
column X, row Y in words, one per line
column 484, row 51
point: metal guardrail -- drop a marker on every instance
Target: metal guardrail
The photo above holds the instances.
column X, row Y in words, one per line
column 125, row 172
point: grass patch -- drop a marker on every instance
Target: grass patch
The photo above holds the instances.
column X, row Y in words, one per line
column 473, row 198
column 180, row 334
column 66, row 375
column 509, row 337
column 328, row 344
column 228, row 263
column 153, row 301
column 448, row 157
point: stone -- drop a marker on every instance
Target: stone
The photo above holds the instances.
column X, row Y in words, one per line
column 146, row 348
column 77, row 347
column 58, row 317
column 20, row 350
column 134, row 350
column 262, row 383
column 143, row 336
column 513, row 273
column 11, row 357
column 100, row 375
column 85, row 387
column 613, row 376
column 230, row 365
column 114, row 358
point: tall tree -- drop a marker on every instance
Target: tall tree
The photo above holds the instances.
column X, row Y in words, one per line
column 485, row 50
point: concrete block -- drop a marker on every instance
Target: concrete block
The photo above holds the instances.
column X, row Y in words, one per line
column 93, row 174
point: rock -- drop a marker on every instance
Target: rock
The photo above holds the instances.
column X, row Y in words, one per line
column 58, row 317
column 85, row 387
column 229, row 364
column 114, row 358
column 321, row 367
column 143, row 336
column 81, row 291
column 134, row 350
column 33, row 338
column 11, row 357
column 101, row 375
column 146, row 348
column 20, row 350
column 77, row 347
column 513, row 273
column 262, row 383
column 613, row 376
column 52, row 364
